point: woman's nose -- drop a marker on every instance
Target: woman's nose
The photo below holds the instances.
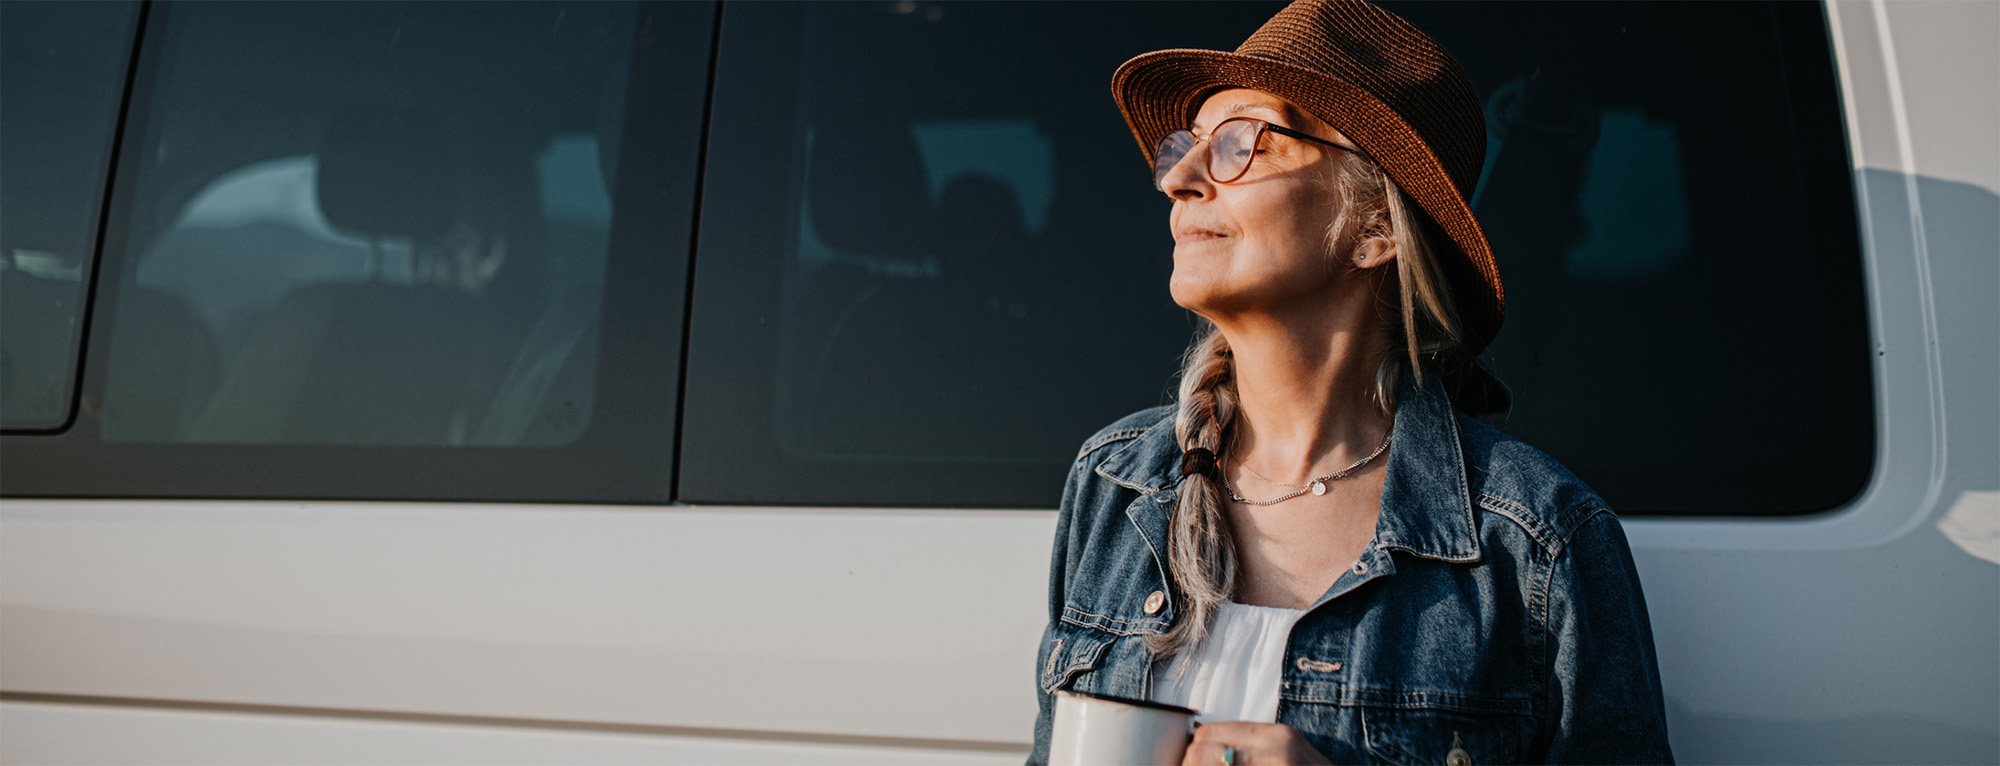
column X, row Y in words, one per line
column 1188, row 179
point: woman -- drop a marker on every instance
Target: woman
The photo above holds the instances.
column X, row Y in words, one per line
column 1313, row 546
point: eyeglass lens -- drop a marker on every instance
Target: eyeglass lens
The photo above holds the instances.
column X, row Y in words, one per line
column 1231, row 146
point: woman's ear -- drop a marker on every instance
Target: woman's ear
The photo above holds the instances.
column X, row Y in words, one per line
column 1374, row 251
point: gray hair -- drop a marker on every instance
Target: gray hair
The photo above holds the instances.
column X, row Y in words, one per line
column 1416, row 309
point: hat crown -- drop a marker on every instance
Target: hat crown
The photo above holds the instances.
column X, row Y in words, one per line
column 1392, row 60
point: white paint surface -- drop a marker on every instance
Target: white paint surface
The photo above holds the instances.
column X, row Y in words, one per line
column 878, row 623
column 52, row 733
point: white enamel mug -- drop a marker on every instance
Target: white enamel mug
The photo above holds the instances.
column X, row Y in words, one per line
column 1094, row 729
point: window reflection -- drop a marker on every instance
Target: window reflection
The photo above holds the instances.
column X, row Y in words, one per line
column 406, row 250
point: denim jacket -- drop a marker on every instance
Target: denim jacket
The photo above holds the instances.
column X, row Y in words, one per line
column 1495, row 611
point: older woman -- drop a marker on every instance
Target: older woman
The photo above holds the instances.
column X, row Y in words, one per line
column 1314, row 547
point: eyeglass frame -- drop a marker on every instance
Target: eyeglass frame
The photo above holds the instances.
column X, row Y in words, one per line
column 1208, row 161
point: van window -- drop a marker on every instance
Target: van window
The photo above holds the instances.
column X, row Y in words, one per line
column 932, row 262
column 63, row 68
column 397, row 276
column 387, row 234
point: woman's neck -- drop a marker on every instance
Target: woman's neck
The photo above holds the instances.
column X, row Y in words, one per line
column 1306, row 396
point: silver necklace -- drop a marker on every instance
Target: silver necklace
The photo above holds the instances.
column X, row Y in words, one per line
column 1316, row 486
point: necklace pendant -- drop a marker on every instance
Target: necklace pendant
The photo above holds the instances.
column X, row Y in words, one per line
column 1318, row 487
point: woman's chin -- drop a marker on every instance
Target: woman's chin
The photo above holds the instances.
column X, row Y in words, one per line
column 1207, row 278
column 1206, row 297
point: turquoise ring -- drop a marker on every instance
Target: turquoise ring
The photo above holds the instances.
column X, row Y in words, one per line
column 1228, row 756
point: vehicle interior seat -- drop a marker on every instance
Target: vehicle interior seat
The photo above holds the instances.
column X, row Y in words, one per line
column 908, row 364
column 868, row 202
column 1111, row 284
column 163, row 370
column 550, row 390
column 381, row 361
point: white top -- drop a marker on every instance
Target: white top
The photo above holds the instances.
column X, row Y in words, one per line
column 1232, row 675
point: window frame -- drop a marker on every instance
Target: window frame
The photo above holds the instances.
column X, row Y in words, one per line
column 100, row 218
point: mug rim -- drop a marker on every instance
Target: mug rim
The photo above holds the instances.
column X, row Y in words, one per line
column 1130, row 701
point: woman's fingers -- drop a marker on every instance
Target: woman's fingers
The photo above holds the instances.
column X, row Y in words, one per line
column 1213, row 754
column 1239, row 731
column 1242, row 743
column 1236, row 743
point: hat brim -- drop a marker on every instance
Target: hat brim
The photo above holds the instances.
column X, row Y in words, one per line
column 1159, row 92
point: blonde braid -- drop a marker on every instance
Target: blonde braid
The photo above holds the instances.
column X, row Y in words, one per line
column 1201, row 556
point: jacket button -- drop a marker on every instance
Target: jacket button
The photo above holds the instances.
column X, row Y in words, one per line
column 1361, row 567
column 1457, row 757
column 1155, row 601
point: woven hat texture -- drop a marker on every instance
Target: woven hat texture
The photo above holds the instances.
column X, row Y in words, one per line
column 1374, row 77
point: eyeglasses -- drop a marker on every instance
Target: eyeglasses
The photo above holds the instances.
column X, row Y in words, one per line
column 1231, row 146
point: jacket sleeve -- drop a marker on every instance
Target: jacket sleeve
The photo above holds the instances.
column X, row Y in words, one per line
column 1058, row 577
column 1607, row 705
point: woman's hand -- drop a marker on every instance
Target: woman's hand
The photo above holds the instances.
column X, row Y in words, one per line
column 1242, row 743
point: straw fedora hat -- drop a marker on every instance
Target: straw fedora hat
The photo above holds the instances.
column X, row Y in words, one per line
column 1373, row 76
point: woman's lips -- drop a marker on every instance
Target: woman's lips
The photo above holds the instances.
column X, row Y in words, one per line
column 1191, row 236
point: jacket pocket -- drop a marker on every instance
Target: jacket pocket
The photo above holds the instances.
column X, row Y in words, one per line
column 1074, row 651
column 1443, row 736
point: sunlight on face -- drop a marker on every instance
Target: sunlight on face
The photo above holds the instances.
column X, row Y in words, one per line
column 1256, row 244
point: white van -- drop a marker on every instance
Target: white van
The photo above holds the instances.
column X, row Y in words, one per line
column 693, row 383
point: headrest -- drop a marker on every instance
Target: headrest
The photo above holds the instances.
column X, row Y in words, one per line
column 983, row 229
column 868, row 190
column 385, row 171
column 982, row 208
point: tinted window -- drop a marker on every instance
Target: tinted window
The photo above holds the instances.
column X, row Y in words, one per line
column 62, row 75
column 1675, row 226
column 377, row 234
column 932, row 263
column 387, row 269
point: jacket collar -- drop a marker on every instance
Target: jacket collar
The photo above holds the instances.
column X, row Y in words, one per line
column 1426, row 506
